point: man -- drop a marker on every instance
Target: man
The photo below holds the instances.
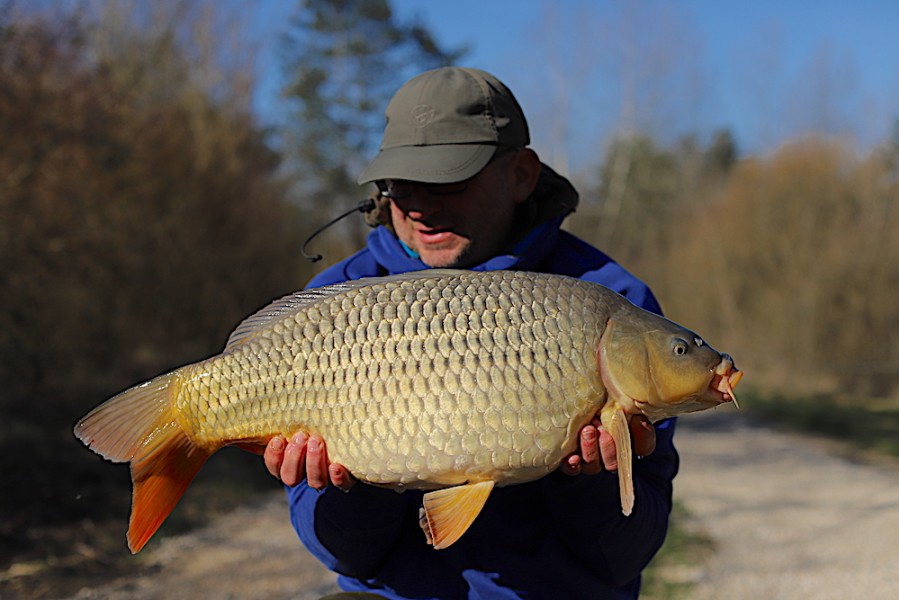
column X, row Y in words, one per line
column 460, row 188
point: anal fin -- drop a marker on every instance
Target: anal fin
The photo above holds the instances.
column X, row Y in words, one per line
column 615, row 422
column 451, row 511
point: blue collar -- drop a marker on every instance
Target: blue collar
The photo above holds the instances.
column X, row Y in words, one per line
column 412, row 253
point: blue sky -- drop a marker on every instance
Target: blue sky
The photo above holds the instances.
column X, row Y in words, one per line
column 586, row 70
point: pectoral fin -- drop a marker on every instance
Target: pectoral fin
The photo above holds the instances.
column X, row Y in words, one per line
column 615, row 422
column 450, row 512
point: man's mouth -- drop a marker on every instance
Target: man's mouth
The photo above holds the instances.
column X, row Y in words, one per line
column 434, row 236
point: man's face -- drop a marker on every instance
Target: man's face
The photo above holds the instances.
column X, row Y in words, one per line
column 461, row 229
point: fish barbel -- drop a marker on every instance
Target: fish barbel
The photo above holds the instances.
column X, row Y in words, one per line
column 449, row 381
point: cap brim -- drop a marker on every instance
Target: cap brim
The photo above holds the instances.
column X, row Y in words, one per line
column 445, row 163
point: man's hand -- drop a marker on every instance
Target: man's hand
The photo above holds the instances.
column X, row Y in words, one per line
column 304, row 457
column 597, row 448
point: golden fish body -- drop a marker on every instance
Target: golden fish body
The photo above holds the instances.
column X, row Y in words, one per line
column 425, row 380
column 421, row 382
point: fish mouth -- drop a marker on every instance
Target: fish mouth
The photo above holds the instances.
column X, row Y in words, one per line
column 725, row 377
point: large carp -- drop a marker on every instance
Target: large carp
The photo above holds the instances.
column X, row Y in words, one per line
column 451, row 381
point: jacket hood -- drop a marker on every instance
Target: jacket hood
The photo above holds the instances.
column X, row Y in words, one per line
column 553, row 197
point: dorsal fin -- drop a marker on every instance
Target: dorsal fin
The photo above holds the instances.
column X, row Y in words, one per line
column 278, row 309
column 297, row 301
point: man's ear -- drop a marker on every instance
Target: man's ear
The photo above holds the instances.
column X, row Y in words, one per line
column 524, row 171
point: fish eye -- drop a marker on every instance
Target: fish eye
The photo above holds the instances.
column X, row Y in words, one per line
column 680, row 347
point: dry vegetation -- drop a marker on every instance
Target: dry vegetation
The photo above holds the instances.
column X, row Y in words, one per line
column 141, row 217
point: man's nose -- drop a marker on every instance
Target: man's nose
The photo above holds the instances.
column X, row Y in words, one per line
column 420, row 204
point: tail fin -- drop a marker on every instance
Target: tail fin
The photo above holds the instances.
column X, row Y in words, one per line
column 140, row 426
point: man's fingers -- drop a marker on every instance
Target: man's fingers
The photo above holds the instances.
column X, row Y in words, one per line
column 571, row 465
column 644, row 435
column 340, row 477
column 293, row 467
column 274, row 454
column 587, row 460
column 304, row 457
column 607, row 451
column 316, row 463
column 590, row 454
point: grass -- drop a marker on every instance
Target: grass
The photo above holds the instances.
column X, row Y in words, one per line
column 864, row 423
column 673, row 572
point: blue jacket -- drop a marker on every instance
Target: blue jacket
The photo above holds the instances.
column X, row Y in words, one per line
column 557, row 537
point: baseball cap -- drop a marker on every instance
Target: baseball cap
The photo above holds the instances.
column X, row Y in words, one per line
column 444, row 126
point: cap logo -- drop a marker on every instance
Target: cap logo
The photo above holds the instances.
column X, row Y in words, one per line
column 421, row 116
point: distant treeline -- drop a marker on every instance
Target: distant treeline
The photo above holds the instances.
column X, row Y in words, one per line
column 143, row 214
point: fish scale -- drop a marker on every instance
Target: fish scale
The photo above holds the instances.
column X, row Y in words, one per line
column 425, row 380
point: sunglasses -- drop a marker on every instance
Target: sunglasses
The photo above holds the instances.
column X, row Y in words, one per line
column 397, row 189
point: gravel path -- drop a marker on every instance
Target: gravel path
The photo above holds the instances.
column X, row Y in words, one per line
column 252, row 552
column 791, row 519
